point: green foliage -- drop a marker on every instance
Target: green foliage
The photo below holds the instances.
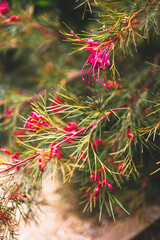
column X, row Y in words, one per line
column 101, row 133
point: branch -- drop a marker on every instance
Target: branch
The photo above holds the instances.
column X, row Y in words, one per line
column 19, row 163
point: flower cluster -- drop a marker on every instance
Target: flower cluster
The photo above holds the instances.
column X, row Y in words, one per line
column 14, row 156
column 130, row 134
column 55, row 106
column 5, row 151
column 46, row 155
column 14, row 18
column 113, row 84
column 71, row 128
column 36, row 122
column 3, row 216
column 4, row 8
column 97, row 177
column 121, row 169
column 98, row 59
column 81, row 156
column 15, row 195
column 98, row 142
column 9, row 111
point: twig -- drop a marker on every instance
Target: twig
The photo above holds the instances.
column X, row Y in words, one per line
column 19, row 163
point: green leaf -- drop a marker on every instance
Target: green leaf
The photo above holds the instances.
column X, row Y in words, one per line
column 118, row 202
column 44, row 3
column 110, row 204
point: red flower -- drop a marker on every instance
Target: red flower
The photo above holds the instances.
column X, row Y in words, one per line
column 15, row 155
column 46, row 155
column 97, row 142
column 120, row 79
column 56, row 151
column 121, row 169
column 129, row 134
column 71, row 128
column 5, row 151
column 98, row 59
column 56, row 105
column 15, row 195
column 2, row 215
column 4, row 7
column 120, row 166
column 97, row 190
column 9, row 111
column 102, row 183
column 108, row 185
column 113, row 84
column 36, row 122
column 82, row 156
column 14, row 18
column 97, row 177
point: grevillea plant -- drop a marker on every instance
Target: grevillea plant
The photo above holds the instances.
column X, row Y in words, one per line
column 98, row 131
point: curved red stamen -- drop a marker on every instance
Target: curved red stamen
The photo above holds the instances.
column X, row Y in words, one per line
column 89, row 72
column 103, row 84
column 77, row 37
column 83, row 69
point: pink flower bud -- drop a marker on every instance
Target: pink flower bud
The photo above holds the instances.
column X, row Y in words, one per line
column 129, row 134
column 5, row 151
column 56, row 105
column 97, row 142
column 120, row 166
column 24, row 195
column 14, row 18
column 15, row 155
column 9, row 111
column 97, row 190
column 70, row 126
column 109, row 186
column 4, row 7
